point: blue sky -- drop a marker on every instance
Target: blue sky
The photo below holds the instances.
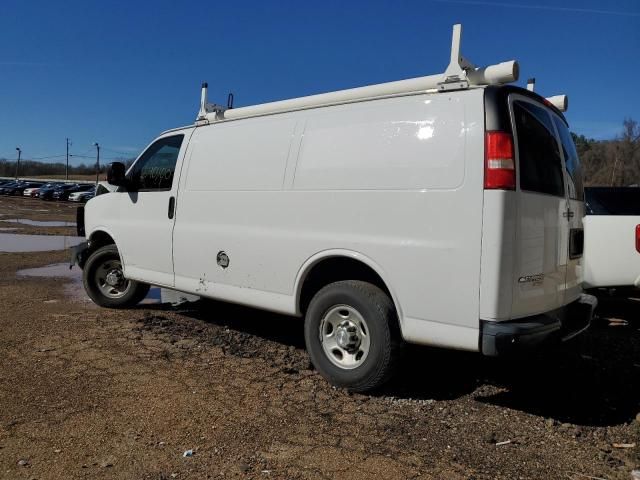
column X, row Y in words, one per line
column 120, row 72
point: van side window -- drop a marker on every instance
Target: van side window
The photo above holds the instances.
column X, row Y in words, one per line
column 155, row 168
column 571, row 161
column 540, row 163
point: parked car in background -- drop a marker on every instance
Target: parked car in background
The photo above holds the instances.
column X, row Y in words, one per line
column 30, row 192
column 612, row 237
column 63, row 193
column 82, row 195
column 33, row 191
column 47, row 193
column 8, row 185
column 19, row 187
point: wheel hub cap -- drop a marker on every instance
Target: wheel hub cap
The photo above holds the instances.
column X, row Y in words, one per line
column 114, row 277
column 347, row 336
column 344, row 336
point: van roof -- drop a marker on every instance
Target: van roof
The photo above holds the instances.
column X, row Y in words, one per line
column 177, row 129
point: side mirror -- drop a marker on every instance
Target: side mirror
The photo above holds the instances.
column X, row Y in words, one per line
column 115, row 174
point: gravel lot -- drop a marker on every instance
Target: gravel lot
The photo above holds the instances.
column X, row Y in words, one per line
column 93, row 393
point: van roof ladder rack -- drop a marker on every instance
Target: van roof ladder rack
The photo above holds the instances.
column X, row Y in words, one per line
column 460, row 74
column 561, row 102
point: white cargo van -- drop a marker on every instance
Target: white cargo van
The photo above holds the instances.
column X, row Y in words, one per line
column 444, row 210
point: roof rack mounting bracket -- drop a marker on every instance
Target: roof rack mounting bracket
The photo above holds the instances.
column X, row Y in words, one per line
column 206, row 107
column 455, row 76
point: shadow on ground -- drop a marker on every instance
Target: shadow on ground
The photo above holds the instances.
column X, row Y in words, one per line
column 593, row 379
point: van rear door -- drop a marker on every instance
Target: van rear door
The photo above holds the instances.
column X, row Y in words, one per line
column 542, row 227
column 575, row 210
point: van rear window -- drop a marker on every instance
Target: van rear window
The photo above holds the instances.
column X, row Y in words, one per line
column 571, row 160
column 540, row 164
column 612, row 200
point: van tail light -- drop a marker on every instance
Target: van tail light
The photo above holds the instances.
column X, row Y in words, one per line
column 638, row 238
column 499, row 163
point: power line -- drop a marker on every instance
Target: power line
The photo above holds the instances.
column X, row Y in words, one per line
column 47, row 157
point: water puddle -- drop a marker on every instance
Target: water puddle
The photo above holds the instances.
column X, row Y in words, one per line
column 7, row 229
column 17, row 209
column 41, row 223
column 75, row 290
column 56, row 270
column 36, row 243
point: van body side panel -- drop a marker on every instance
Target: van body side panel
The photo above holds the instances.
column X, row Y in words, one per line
column 231, row 203
column 409, row 143
column 397, row 180
column 248, row 155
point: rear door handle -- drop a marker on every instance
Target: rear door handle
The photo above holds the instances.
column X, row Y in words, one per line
column 172, row 206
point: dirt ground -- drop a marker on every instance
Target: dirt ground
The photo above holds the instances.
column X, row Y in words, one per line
column 93, row 393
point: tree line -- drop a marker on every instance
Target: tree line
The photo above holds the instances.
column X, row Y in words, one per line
column 613, row 162
column 604, row 162
column 34, row 168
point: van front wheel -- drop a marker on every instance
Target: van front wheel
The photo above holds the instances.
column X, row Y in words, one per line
column 351, row 335
column 105, row 283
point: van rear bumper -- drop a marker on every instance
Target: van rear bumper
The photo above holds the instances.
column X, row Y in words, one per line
column 512, row 336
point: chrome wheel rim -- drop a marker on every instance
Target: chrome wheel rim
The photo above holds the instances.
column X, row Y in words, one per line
column 110, row 280
column 344, row 336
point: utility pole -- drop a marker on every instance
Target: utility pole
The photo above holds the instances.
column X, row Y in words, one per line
column 66, row 170
column 97, row 162
column 18, row 163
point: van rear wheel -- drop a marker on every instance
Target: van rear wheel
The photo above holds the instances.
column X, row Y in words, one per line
column 351, row 335
column 105, row 283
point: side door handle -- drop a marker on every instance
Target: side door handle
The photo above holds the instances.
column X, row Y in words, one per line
column 172, row 206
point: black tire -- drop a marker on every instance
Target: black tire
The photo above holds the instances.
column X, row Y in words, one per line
column 378, row 311
column 132, row 292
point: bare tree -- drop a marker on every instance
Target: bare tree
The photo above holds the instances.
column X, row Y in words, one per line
column 612, row 162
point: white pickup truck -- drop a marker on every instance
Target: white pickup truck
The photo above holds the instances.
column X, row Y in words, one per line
column 612, row 237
